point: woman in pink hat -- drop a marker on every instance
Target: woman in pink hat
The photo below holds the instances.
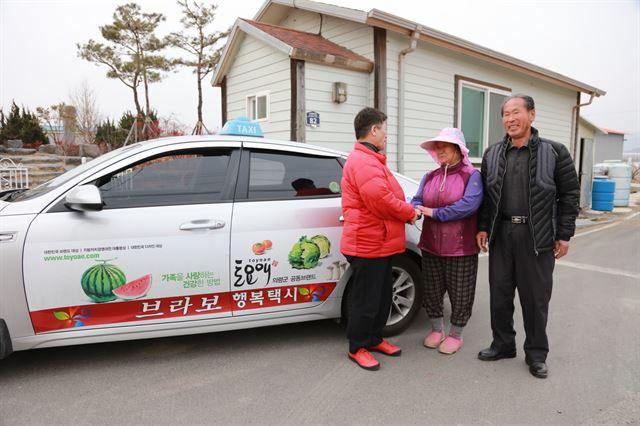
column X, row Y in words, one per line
column 449, row 198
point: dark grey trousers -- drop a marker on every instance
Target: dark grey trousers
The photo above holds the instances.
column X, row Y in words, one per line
column 513, row 264
column 369, row 301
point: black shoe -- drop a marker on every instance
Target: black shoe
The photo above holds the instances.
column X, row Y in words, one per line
column 539, row 370
column 491, row 354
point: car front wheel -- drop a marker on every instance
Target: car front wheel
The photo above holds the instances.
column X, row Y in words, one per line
column 407, row 294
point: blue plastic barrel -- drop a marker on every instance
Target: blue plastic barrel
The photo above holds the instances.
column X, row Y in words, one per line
column 602, row 193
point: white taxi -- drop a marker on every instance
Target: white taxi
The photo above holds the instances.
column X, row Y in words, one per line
column 183, row 235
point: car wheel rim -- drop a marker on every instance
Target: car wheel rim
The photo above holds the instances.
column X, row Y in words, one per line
column 404, row 295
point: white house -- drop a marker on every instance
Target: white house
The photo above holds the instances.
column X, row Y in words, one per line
column 304, row 69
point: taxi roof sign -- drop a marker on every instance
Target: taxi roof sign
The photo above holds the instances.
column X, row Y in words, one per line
column 242, row 126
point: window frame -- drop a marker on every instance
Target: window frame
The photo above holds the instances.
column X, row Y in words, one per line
column 254, row 97
column 488, row 89
column 244, row 175
column 229, row 188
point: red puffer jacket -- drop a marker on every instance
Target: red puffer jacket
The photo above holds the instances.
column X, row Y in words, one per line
column 373, row 206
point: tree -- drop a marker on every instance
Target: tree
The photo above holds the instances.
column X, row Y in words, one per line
column 55, row 118
column 108, row 133
column 133, row 51
column 200, row 44
column 22, row 125
column 83, row 98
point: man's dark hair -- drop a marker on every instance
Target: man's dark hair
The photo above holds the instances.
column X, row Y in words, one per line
column 367, row 118
column 528, row 102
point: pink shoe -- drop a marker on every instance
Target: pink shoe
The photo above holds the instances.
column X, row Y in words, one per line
column 450, row 345
column 433, row 339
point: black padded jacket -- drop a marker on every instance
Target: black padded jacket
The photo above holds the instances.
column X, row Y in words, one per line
column 554, row 191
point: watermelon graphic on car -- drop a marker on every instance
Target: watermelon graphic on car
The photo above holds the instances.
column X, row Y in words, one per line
column 99, row 281
column 134, row 289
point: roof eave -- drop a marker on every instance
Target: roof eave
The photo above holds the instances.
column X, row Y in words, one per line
column 354, row 15
column 225, row 57
column 242, row 26
column 378, row 18
column 332, row 60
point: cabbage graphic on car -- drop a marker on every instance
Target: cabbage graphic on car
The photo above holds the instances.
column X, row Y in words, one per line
column 307, row 252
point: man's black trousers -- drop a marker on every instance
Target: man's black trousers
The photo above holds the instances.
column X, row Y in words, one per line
column 369, row 301
column 514, row 264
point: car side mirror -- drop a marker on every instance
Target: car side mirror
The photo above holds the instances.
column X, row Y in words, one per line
column 85, row 198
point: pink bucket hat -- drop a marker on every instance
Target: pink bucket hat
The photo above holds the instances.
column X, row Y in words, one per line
column 449, row 135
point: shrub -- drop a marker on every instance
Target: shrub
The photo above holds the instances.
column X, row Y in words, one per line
column 22, row 125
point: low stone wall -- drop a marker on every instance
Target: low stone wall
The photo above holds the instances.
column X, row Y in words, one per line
column 45, row 163
column 85, row 149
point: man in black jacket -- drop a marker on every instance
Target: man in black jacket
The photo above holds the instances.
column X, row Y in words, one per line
column 527, row 217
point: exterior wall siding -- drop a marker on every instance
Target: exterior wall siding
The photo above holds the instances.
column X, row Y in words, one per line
column 585, row 131
column 608, row 147
column 429, row 89
column 258, row 67
column 336, row 120
column 429, row 97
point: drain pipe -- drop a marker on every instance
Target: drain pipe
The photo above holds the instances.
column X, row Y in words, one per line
column 414, row 42
column 574, row 129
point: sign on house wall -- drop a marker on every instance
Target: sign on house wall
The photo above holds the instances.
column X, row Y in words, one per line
column 313, row 119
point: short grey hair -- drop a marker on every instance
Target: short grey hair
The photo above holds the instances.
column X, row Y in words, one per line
column 528, row 102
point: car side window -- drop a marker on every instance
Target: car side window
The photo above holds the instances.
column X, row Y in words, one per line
column 177, row 178
column 278, row 176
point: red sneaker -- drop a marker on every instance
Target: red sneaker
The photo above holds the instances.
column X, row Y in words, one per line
column 364, row 359
column 387, row 348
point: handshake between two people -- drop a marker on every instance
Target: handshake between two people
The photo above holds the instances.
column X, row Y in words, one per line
column 419, row 212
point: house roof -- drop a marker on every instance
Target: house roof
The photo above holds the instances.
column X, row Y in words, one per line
column 613, row 132
column 601, row 129
column 294, row 43
column 272, row 11
column 303, row 40
column 312, row 46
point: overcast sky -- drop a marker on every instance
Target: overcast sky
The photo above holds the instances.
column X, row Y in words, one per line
column 596, row 42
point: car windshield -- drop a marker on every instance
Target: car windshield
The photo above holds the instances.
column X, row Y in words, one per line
column 66, row 177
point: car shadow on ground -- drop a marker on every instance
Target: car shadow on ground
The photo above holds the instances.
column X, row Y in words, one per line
column 269, row 338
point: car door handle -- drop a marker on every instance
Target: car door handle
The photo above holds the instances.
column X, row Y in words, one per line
column 202, row 224
column 341, row 219
column 5, row 238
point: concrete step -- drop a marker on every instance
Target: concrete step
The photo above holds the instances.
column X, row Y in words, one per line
column 20, row 151
column 76, row 161
column 38, row 167
column 37, row 159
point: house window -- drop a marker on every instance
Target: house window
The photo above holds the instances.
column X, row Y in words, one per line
column 478, row 114
column 258, row 107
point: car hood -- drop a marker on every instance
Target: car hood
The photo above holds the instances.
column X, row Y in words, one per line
column 3, row 204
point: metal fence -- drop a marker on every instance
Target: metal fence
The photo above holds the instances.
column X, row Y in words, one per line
column 12, row 175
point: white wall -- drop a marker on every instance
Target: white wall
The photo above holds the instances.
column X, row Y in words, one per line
column 429, row 97
column 336, row 120
column 608, row 147
column 258, row 67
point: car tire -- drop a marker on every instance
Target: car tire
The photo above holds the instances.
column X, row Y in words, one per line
column 5, row 340
column 398, row 321
column 407, row 294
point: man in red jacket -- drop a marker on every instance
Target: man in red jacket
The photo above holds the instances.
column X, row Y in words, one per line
column 375, row 213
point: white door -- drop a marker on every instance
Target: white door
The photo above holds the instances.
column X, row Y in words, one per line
column 157, row 252
column 586, row 172
column 285, row 251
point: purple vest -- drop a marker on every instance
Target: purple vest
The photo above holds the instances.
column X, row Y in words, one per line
column 457, row 237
